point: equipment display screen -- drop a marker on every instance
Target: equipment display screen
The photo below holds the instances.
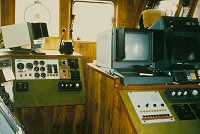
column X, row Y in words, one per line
column 185, row 49
column 137, row 47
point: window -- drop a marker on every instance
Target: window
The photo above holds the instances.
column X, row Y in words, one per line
column 91, row 17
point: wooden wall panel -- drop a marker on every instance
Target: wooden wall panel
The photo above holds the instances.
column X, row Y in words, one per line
column 53, row 120
column 65, row 17
column 88, row 51
column 51, row 43
column 7, row 12
column 105, row 113
column 129, row 12
column 192, row 6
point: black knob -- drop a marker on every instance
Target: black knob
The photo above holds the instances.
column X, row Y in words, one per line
column 35, row 62
column 42, row 69
column 37, row 75
column 43, row 75
column 36, row 68
column 147, row 105
column 42, row 62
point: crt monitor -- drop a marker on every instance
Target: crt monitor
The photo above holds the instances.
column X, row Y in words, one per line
column 184, row 47
column 138, row 46
column 125, row 47
column 17, row 35
column 133, row 45
column 40, row 30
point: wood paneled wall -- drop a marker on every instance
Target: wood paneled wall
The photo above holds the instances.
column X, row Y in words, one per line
column 7, row 12
column 105, row 112
column 129, row 12
column 65, row 16
column 53, row 120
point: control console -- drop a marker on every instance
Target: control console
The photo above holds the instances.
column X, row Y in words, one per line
column 150, row 107
column 186, row 76
column 185, row 102
column 153, row 111
column 47, row 80
column 36, row 69
column 181, row 95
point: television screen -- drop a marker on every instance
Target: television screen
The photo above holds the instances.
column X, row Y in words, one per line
column 138, row 46
column 143, row 45
column 185, row 49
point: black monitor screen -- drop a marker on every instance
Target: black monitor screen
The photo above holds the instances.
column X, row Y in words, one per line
column 40, row 30
column 185, row 49
column 137, row 46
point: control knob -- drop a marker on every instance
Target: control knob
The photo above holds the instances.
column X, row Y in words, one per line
column 37, row 75
column 35, row 62
column 185, row 93
column 77, row 85
column 173, row 93
column 42, row 63
column 195, row 92
column 36, row 68
column 42, row 69
column 179, row 93
column 43, row 75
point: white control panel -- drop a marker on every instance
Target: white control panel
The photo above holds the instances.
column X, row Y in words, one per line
column 36, row 69
column 150, row 107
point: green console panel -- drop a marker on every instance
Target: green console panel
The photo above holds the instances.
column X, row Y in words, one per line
column 48, row 80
